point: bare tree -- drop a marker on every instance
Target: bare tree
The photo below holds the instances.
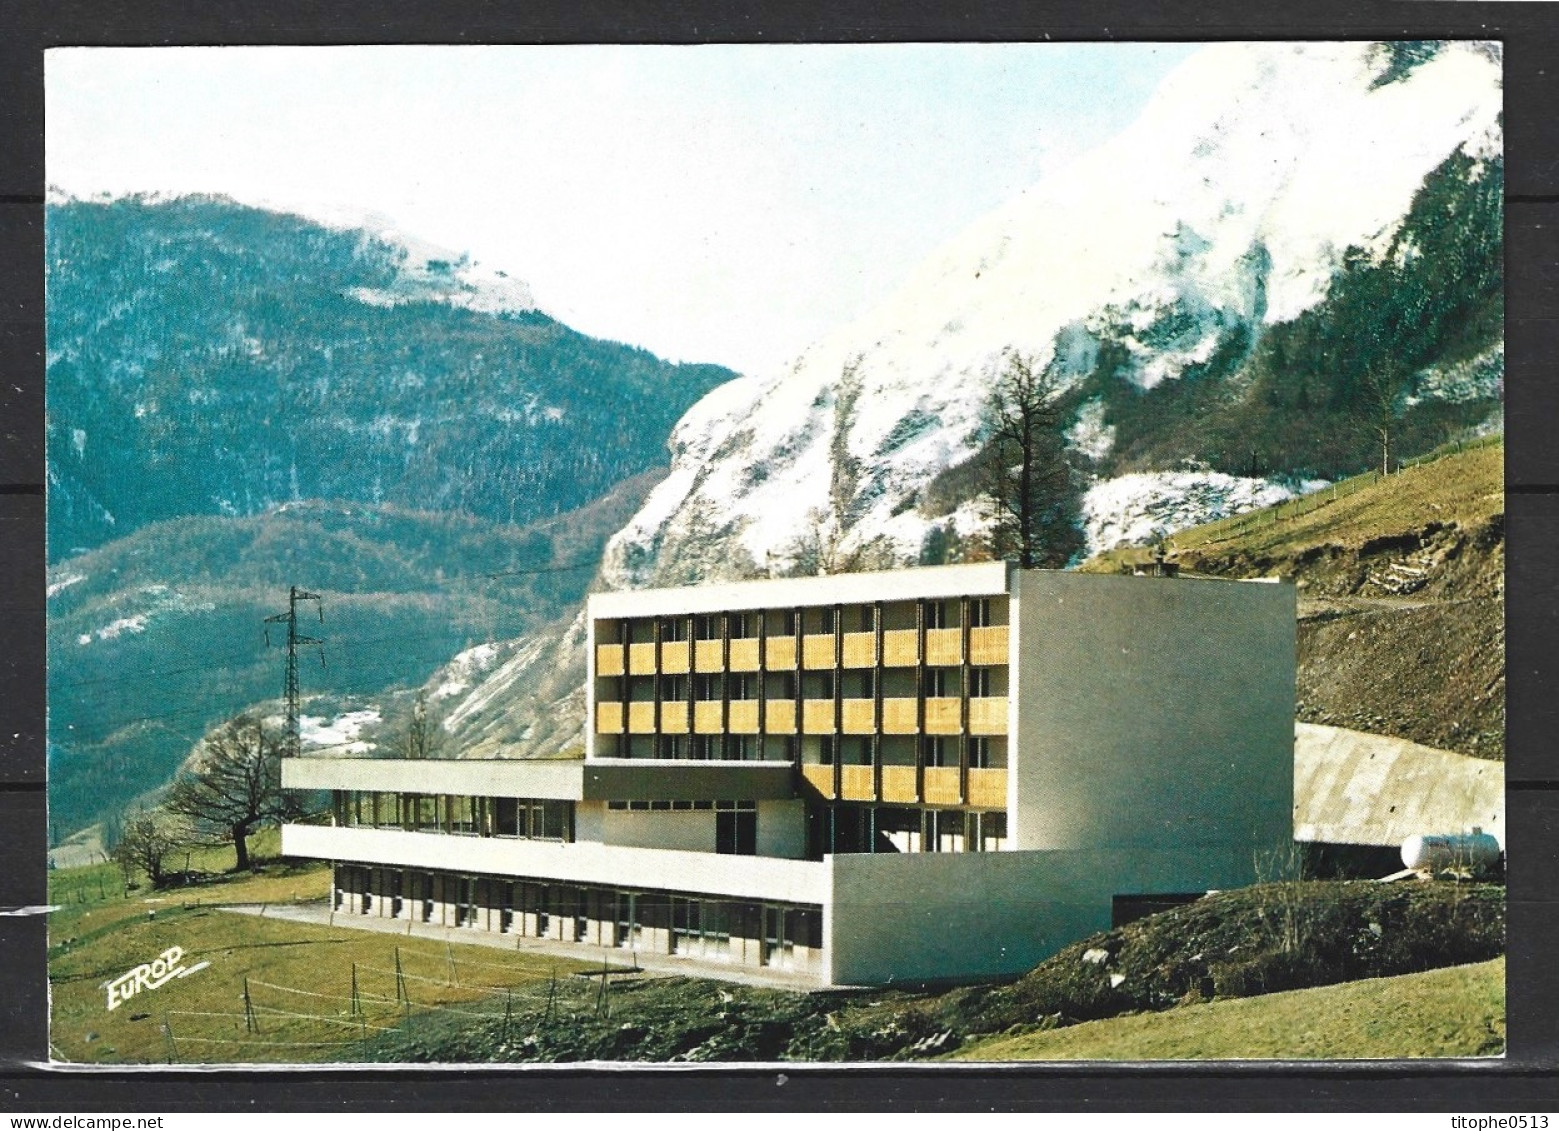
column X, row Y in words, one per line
column 419, row 741
column 1030, row 487
column 145, row 841
column 1379, row 390
column 233, row 784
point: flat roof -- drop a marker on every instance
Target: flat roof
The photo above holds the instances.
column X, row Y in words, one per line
column 980, row 579
column 574, row 779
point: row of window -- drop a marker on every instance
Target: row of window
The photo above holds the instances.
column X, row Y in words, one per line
column 455, row 814
column 691, row 925
column 822, row 620
column 862, row 683
column 937, row 751
column 660, row 806
column 898, row 829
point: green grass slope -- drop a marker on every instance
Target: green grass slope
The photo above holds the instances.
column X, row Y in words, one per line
column 1455, row 1012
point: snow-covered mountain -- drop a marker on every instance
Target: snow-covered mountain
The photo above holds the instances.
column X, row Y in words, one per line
column 1256, row 175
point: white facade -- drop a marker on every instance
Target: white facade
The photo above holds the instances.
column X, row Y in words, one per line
column 931, row 774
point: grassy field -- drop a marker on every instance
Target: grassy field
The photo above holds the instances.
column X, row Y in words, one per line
column 1455, row 1012
column 300, row 976
column 1464, row 486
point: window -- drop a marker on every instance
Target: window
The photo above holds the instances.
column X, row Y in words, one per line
column 506, row 818
column 387, row 812
column 941, row 751
column 855, row 750
column 707, row 688
column 937, row 615
column 641, row 631
column 782, row 622
column 979, row 683
column 980, row 612
column 706, row 747
column 861, row 684
column 736, row 832
column 674, row 629
column 743, row 625
column 461, row 815
column 672, row 747
column 988, row 753
column 707, row 627
column 673, row 688
column 743, row 685
column 940, row 683
column 819, row 750
column 990, row 831
column 818, row 685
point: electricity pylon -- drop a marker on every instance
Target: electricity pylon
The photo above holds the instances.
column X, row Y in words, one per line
column 290, row 618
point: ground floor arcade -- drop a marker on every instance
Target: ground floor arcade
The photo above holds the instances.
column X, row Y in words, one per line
column 778, row 936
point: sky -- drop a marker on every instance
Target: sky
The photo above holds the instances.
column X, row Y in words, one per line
column 709, row 203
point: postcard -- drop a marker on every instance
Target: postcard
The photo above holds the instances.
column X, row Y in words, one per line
column 776, row 553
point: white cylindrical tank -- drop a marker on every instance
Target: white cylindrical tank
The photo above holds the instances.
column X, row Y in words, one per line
column 1474, row 851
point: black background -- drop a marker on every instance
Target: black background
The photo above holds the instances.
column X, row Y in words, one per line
column 1527, row 1078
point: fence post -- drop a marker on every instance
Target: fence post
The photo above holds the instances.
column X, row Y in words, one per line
column 251, row 1023
column 357, row 1003
column 167, row 1032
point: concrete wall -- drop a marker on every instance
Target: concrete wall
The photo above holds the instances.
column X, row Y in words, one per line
column 1154, row 715
column 1356, row 788
column 984, row 579
column 687, row 830
column 746, row 877
column 782, row 829
column 473, row 777
column 971, row 915
column 564, row 779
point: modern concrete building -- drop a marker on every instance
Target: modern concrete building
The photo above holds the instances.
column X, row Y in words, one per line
column 930, row 774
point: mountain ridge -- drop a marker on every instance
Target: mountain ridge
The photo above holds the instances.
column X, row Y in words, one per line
column 1151, row 293
column 209, row 358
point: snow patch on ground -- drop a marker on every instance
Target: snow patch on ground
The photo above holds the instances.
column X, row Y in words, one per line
column 1479, row 377
column 1136, row 509
column 493, row 688
column 114, row 629
column 460, row 671
column 340, row 733
column 1090, row 435
column 434, row 274
column 65, row 583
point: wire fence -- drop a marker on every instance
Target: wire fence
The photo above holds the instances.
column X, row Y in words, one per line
column 1238, row 526
column 278, row 1019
